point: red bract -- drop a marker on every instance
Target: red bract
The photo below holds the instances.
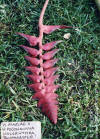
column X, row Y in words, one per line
column 42, row 68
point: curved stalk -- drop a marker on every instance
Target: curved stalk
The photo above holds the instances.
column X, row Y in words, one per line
column 42, row 13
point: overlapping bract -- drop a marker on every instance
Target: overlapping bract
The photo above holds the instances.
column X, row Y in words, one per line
column 45, row 94
column 42, row 68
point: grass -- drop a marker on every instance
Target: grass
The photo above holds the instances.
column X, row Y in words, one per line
column 79, row 61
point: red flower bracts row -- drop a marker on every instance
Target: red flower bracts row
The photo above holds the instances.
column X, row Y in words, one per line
column 42, row 68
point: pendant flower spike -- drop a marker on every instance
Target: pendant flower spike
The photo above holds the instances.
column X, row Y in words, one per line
column 42, row 67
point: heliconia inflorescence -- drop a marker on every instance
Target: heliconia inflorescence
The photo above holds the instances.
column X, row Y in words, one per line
column 42, row 68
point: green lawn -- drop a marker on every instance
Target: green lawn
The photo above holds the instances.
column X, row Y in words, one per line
column 79, row 61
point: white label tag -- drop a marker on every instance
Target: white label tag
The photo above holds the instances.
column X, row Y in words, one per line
column 21, row 130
